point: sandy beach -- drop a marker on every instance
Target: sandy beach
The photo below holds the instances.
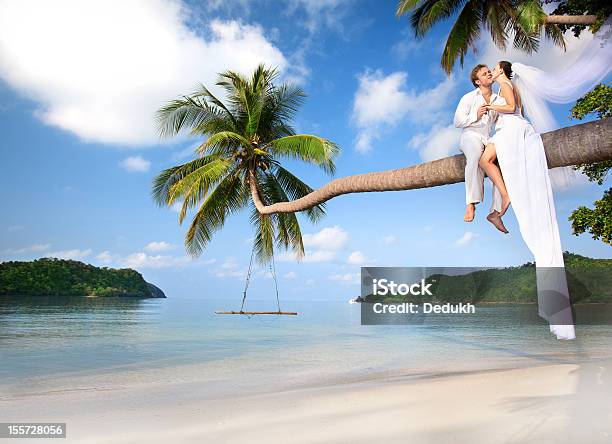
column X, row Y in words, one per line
column 560, row 403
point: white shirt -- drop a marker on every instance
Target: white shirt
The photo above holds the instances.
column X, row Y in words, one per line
column 466, row 115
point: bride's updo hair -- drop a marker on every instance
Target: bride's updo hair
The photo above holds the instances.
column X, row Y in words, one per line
column 506, row 67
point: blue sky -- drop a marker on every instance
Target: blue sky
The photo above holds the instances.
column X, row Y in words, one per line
column 80, row 81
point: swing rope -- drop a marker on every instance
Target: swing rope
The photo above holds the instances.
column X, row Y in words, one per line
column 244, row 293
column 273, row 271
column 248, row 278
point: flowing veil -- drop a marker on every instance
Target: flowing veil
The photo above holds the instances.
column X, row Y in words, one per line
column 537, row 88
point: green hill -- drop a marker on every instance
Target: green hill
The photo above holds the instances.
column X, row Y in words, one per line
column 589, row 281
column 59, row 277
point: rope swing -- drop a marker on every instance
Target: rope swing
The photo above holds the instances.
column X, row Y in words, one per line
column 244, row 295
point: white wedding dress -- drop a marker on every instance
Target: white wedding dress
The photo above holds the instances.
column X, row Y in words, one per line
column 523, row 164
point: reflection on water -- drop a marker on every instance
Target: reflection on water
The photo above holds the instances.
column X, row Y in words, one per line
column 42, row 336
column 25, row 320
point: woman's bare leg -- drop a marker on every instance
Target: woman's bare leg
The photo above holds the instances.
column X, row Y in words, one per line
column 487, row 162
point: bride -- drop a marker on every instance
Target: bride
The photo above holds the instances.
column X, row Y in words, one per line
column 519, row 151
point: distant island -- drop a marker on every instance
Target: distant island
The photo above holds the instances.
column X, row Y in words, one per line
column 589, row 281
column 60, row 277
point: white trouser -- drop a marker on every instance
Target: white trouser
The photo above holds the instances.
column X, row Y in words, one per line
column 472, row 144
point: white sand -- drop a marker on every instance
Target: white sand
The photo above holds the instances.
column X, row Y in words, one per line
column 562, row 403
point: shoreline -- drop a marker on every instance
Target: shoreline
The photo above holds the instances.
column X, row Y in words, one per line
column 392, row 407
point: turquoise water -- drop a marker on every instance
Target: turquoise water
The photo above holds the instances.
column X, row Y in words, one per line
column 51, row 337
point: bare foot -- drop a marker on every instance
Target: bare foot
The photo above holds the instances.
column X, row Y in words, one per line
column 495, row 218
column 504, row 206
column 469, row 212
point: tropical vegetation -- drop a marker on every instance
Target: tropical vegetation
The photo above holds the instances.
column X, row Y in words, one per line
column 246, row 134
column 522, row 21
column 597, row 220
column 60, row 277
column 589, row 281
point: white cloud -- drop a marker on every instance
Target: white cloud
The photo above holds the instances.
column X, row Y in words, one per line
column 230, row 272
column 13, row 228
column 329, row 238
column 185, row 153
column 265, row 273
column 320, row 13
column 135, row 164
column 34, row 248
column 408, row 45
column 141, row 260
column 229, row 263
column 106, row 257
column 346, row 278
column 320, row 247
column 390, row 240
column 310, row 256
column 144, row 260
column 358, row 258
column 439, row 142
column 383, row 101
column 101, row 69
column 75, row 254
column 467, row 237
column 290, row 275
column 159, row 246
column 380, row 99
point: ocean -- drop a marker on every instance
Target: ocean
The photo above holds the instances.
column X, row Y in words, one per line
column 133, row 341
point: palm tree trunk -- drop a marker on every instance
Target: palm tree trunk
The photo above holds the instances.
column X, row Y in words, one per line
column 571, row 19
column 575, row 145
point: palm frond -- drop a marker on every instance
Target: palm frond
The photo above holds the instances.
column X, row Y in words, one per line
column 280, row 105
column 308, row 148
column 223, row 139
column 187, row 113
column 521, row 24
column 210, row 97
column 264, row 236
column 403, row 6
column 463, row 34
column 531, row 16
column 287, row 225
column 194, row 187
column 498, row 22
column 229, row 196
column 296, row 189
column 264, row 226
column 554, row 33
column 163, row 182
column 431, row 12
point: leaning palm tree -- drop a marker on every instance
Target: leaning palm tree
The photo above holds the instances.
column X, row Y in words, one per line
column 575, row 145
column 524, row 19
column 245, row 136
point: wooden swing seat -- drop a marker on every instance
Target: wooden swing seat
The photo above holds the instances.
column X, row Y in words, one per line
column 244, row 295
column 289, row 313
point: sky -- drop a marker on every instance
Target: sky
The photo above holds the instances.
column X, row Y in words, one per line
column 80, row 82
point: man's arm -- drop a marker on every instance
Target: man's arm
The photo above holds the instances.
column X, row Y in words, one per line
column 465, row 115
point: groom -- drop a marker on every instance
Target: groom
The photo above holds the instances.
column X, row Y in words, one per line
column 477, row 123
